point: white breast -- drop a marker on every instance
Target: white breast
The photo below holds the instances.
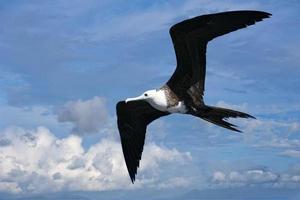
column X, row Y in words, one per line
column 159, row 101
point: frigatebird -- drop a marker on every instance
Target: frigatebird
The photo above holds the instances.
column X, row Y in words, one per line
column 183, row 92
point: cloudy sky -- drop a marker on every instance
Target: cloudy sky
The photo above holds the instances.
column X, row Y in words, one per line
column 65, row 64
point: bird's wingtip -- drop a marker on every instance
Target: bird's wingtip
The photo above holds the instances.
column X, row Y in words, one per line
column 235, row 129
column 265, row 15
column 132, row 178
column 250, row 116
column 268, row 15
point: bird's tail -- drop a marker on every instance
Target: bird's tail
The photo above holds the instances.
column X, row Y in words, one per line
column 218, row 116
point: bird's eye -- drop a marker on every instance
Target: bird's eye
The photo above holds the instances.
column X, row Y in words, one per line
column 146, row 94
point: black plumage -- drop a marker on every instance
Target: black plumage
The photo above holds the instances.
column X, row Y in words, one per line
column 133, row 118
column 190, row 38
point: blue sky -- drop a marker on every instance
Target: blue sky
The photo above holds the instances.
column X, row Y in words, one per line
column 64, row 65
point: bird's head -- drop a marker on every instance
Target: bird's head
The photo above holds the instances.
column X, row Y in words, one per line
column 146, row 96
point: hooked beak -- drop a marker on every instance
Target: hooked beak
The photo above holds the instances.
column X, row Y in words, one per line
column 135, row 98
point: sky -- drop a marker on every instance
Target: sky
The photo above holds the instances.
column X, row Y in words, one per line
column 65, row 64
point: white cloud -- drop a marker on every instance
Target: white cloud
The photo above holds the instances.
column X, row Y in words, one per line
column 9, row 186
column 174, row 182
column 266, row 132
column 156, row 154
column 218, row 176
column 87, row 116
column 291, row 153
column 270, row 125
column 278, row 142
column 295, row 126
column 271, row 133
column 37, row 161
column 254, row 178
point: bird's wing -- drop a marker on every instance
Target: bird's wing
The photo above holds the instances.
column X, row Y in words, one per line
column 190, row 38
column 133, row 118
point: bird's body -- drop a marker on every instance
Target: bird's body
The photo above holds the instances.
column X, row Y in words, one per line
column 183, row 92
column 162, row 99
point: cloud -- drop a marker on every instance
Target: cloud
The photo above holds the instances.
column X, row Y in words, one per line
column 218, row 176
column 291, row 153
column 155, row 18
column 28, row 116
column 89, row 36
column 272, row 133
column 35, row 161
column 43, row 68
column 254, row 177
column 86, row 116
column 278, row 142
column 174, row 182
column 270, row 110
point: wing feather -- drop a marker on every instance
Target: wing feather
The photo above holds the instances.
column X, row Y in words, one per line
column 133, row 118
column 190, row 38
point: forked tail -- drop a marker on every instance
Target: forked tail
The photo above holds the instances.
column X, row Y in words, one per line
column 218, row 116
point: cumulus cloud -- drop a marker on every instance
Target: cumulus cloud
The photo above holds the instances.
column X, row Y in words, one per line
column 38, row 161
column 86, row 116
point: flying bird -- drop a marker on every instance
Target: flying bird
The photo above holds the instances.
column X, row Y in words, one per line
column 183, row 92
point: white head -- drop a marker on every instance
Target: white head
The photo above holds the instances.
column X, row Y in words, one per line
column 146, row 96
